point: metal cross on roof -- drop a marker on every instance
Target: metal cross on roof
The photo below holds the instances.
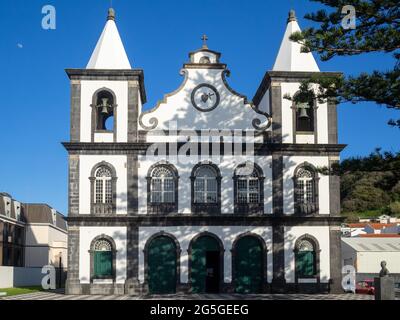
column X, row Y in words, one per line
column 204, row 38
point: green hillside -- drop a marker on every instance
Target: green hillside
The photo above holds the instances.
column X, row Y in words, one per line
column 370, row 186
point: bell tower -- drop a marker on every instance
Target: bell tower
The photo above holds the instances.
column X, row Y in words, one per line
column 107, row 96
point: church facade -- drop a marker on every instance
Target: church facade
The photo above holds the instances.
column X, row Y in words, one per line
column 206, row 192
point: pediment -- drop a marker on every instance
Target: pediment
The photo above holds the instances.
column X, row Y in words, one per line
column 204, row 101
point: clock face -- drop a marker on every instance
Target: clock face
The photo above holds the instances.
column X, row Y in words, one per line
column 205, row 97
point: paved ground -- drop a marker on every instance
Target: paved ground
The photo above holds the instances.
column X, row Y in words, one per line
column 61, row 296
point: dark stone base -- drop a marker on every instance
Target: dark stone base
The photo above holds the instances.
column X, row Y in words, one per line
column 73, row 287
column 384, row 288
column 107, row 288
column 134, row 288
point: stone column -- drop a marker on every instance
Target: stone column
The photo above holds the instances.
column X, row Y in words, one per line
column 335, row 253
column 132, row 285
column 133, row 110
column 276, row 111
column 278, row 251
column 72, row 285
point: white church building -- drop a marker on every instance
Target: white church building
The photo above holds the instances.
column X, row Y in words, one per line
column 207, row 192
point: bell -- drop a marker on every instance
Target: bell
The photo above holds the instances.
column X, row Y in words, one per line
column 303, row 111
column 104, row 106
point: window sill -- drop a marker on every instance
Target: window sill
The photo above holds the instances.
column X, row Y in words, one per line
column 103, row 280
column 161, row 208
column 312, row 279
column 252, row 208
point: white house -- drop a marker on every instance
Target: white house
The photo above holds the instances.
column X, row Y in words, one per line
column 207, row 191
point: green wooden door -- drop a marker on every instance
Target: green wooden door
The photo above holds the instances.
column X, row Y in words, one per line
column 103, row 264
column 162, row 262
column 248, row 265
column 198, row 273
column 305, row 264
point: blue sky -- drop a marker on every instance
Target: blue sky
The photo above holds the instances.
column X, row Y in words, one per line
column 158, row 35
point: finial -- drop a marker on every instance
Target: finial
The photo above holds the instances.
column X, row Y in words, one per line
column 292, row 16
column 111, row 14
column 204, row 38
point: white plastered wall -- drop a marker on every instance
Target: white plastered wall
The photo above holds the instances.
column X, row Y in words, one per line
column 184, row 234
column 291, row 236
column 231, row 113
column 290, row 163
column 226, row 167
column 86, row 236
column 88, row 89
column 86, row 164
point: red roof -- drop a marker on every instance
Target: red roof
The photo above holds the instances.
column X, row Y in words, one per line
column 379, row 235
column 372, row 225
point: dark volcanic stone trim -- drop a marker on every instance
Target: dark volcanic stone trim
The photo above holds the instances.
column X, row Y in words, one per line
column 332, row 122
column 133, row 111
column 277, row 184
column 259, row 148
column 201, row 220
column 75, row 127
column 110, row 75
column 334, row 192
column 276, row 112
column 73, row 261
column 286, row 76
column 278, row 260
column 132, row 252
column 335, row 253
column 73, row 188
column 133, row 185
column 204, row 66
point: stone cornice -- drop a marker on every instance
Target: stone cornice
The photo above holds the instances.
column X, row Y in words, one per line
column 222, row 219
column 286, row 76
column 106, row 74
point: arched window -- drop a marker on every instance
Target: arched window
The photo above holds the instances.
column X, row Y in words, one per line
column 206, row 189
column 305, row 258
column 103, row 189
column 104, row 110
column 162, row 189
column 306, row 201
column 304, row 112
column 205, row 185
column 305, row 117
column 162, row 185
column 249, row 191
column 102, row 257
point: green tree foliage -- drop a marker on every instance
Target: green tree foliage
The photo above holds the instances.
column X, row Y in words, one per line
column 377, row 30
column 370, row 183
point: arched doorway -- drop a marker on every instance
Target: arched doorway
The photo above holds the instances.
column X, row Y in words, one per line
column 162, row 265
column 248, row 266
column 206, row 264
